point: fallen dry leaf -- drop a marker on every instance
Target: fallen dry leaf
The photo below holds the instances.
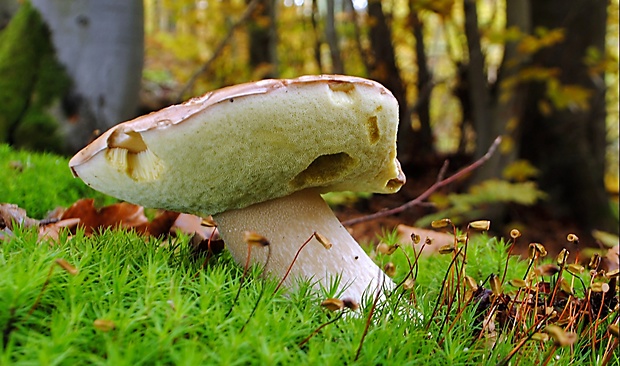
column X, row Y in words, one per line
column 84, row 214
column 612, row 258
column 52, row 230
column 161, row 224
column 92, row 219
column 191, row 224
column 11, row 214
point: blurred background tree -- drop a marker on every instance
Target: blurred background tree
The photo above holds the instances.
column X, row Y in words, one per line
column 87, row 81
column 542, row 74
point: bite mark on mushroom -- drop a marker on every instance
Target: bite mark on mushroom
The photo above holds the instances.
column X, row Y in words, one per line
column 324, row 169
column 128, row 152
column 394, row 184
column 373, row 129
column 341, row 93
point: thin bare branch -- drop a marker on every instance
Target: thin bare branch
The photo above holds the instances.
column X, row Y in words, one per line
column 440, row 183
column 218, row 50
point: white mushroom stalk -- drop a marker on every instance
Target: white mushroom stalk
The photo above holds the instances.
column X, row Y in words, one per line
column 241, row 153
column 287, row 223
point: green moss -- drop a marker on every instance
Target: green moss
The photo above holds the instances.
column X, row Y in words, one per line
column 37, row 131
column 32, row 81
column 163, row 305
column 19, row 59
column 40, row 182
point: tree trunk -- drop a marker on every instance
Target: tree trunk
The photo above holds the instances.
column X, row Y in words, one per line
column 479, row 98
column 358, row 35
column 332, row 39
column 424, row 85
column 383, row 68
column 568, row 144
column 317, row 35
column 263, row 40
column 32, row 82
column 101, row 44
column 506, row 106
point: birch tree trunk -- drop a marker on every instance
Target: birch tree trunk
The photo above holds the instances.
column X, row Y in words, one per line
column 101, row 45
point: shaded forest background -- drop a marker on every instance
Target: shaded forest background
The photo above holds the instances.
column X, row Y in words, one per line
column 541, row 74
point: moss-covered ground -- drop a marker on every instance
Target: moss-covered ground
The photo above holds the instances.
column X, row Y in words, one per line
column 117, row 298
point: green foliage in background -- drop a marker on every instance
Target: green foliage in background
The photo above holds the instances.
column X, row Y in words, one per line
column 463, row 207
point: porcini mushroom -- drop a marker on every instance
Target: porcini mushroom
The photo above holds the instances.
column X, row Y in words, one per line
column 257, row 156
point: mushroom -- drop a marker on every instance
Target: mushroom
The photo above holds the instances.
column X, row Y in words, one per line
column 257, row 157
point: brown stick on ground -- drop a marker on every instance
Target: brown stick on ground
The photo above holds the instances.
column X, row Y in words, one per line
column 440, row 183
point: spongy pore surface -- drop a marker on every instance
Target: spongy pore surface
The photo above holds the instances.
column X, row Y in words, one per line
column 250, row 143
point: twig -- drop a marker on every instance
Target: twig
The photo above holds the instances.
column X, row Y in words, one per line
column 443, row 285
column 218, row 50
column 441, row 183
column 293, row 262
column 317, row 330
column 369, row 319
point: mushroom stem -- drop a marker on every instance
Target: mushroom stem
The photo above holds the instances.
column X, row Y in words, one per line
column 287, row 223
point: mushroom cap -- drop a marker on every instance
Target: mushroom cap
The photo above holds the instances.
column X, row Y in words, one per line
column 249, row 143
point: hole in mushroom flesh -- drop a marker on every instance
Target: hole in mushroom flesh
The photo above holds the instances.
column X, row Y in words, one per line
column 324, row 169
column 129, row 153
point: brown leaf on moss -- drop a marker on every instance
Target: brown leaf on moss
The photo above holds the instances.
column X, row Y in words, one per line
column 161, row 225
column 192, row 224
column 11, row 214
column 52, row 230
column 93, row 219
column 84, row 214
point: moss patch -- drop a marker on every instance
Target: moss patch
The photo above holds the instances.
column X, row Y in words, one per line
column 32, row 81
column 41, row 182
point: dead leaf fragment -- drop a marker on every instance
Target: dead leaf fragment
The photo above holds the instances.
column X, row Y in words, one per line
column 160, row 225
column 11, row 214
column 125, row 215
column 121, row 214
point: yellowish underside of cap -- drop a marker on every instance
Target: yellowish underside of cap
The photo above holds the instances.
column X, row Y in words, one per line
column 240, row 151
